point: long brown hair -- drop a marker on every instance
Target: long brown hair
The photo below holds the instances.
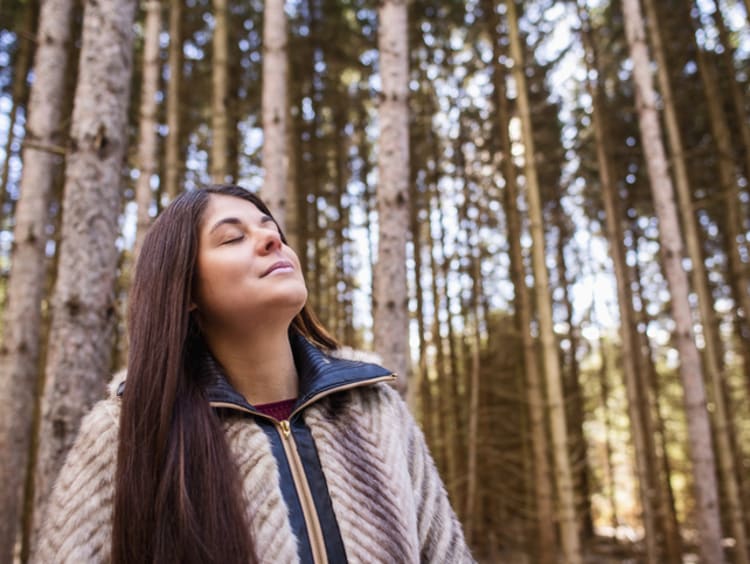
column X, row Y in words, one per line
column 177, row 493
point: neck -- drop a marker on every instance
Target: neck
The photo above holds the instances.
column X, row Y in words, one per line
column 260, row 367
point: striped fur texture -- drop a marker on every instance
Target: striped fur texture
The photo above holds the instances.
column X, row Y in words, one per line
column 387, row 496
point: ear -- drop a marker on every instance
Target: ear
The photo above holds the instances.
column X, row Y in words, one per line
column 192, row 307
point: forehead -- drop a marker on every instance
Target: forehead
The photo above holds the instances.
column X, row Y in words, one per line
column 221, row 206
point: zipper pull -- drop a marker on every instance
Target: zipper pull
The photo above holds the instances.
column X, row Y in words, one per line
column 285, row 427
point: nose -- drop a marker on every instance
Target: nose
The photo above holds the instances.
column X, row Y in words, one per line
column 270, row 241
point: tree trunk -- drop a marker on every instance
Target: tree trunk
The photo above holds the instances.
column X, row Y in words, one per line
column 292, row 219
column 444, row 457
column 19, row 94
column 172, row 150
column 220, row 83
column 83, row 304
column 275, row 111
column 473, row 321
column 446, row 367
column 711, row 358
column 657, row 438
column 609, row 466
column 442, row 454
column 148, row 138
column 454, row 398
column 340, row 299
column 624, row 300
column 738, row 270
column 728, row 180
column 564, row 480
column 418, row 393
column 639, row 399
column 738, row 98
column 542, row 483
column 20, row 350
column 742, row 327
column 699, row 430
column 234, row 98
column 391, row 315
column 473, row 438
column 572, row 386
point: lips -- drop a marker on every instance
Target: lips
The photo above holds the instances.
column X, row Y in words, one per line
column 282, row 264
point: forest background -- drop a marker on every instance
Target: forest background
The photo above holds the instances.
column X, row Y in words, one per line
column 536, row 212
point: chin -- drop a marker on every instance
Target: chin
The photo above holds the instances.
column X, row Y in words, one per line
column 294, row 301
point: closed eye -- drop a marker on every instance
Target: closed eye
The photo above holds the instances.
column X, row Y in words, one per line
column 231, row 240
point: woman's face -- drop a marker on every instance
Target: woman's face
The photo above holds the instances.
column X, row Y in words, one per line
column 246, row 274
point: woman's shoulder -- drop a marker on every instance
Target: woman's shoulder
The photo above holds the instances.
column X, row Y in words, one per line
column 103, row 421
column 104, row 417
column 78, row 514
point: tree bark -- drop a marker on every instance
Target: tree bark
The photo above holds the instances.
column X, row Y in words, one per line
column 292, row 216
column 624, row 300
column 542, row 483
column 738, row 98
column 446, row 365
column 572, row 386
column 83, row 304
column 454, row 398
column 564, row 481
column 391, row 315
column 172, row 166
column 637, row 403
column 609, row 466
column 275, row 111
column 727, row 178
column 473, row 322
column 20, row 350
column 738, row 270
column 711, row 358
column 444, row 455
column 220, row 83
column 148, row 138
column 19, row 95
column 656, row 435
column 418, row 395
column 339, row 278
column 475, row 388
column 691, row 373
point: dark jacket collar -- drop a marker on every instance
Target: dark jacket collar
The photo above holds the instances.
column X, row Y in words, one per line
column 319, row 373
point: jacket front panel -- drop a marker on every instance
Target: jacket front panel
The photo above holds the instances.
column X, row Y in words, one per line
column 363, row 451
column 318, row 485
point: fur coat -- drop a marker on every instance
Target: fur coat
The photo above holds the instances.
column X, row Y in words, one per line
column 388, row 502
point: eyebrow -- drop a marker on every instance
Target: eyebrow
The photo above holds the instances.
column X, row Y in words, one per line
column 265, row 218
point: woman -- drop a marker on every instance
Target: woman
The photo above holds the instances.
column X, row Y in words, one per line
column 241, row 434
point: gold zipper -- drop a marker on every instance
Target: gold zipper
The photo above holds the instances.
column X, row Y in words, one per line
column 310, row 514
column 285, row 427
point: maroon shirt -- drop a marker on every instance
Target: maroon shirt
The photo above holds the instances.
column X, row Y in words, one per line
column 279, row 410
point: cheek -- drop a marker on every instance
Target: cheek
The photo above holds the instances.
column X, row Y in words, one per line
column 210, row 281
